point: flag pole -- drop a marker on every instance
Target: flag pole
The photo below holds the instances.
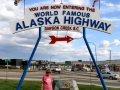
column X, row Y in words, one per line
column 61, row 2
column 24, row 7
column 99, row 4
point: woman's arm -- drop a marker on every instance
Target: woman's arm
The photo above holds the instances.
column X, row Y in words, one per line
column 42, row 86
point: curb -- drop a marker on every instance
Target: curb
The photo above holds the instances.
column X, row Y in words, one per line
column 96, row 85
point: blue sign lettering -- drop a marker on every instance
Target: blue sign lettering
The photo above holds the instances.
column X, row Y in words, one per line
column 77, row 21
column 18, row 26
column 87, row 22
column 93, row 23
column 56, row 20
column 40, row 20
column 107, row 26
column 33, row 23
column 66, row 20
column 74, row 13
column 24, row 26
column 63, row 12
column 47, row 13
column 47, row 20
column 101, row 26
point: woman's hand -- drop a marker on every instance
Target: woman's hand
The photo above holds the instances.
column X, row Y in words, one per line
column 42, row 86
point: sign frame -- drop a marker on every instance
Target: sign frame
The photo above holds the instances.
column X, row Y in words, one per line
column 14, row 26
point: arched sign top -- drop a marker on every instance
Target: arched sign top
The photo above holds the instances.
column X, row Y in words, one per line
column 62, row 17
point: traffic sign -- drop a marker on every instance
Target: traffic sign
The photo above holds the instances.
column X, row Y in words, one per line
column 7, row 60
column 79, row 60
column 68, row 62
column 48, row 65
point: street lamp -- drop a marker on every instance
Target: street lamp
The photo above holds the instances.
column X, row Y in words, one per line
column 50, row 58
column 95, row 50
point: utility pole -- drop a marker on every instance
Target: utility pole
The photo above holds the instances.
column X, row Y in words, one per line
column 90, row 71
column 110, row 60
column 7, row 71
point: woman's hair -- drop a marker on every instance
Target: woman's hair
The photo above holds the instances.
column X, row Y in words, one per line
column 48, row 71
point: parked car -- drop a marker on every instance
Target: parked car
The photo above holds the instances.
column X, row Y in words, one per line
column 85, row 69
column 42, row 68
column 55, row 69
column 110, row 75
column 68, row 69
column 93, row 70
column 74, row 69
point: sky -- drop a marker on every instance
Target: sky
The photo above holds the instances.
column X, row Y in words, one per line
column 20, row 45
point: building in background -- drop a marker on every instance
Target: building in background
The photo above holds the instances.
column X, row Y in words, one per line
column 15, row 63
column 114, row 65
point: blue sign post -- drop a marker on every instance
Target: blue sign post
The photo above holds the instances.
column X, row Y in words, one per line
column 30, row 59
column 91, row 54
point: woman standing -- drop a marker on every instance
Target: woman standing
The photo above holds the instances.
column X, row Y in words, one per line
column 47, row 81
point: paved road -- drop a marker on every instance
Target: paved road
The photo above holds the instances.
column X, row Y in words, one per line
column 80, row 77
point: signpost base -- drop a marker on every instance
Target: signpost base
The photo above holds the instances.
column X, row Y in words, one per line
column 30, row 59
column 64, row 84
column 89, row 49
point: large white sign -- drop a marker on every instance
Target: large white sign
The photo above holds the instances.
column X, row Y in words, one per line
column 62, row 15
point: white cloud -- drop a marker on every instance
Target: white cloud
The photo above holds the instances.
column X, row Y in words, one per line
column 108, row 7
column 117, row 54
column 80, row 2
column 116, row 42
column 109, row 4
column 111, row 19
column 104, row 53
column 105, row 47
column 105, row 43
column 118, row 6
column 1, row 37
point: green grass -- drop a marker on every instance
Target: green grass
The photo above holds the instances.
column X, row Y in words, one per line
column 36, row 85
column 12, row 84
